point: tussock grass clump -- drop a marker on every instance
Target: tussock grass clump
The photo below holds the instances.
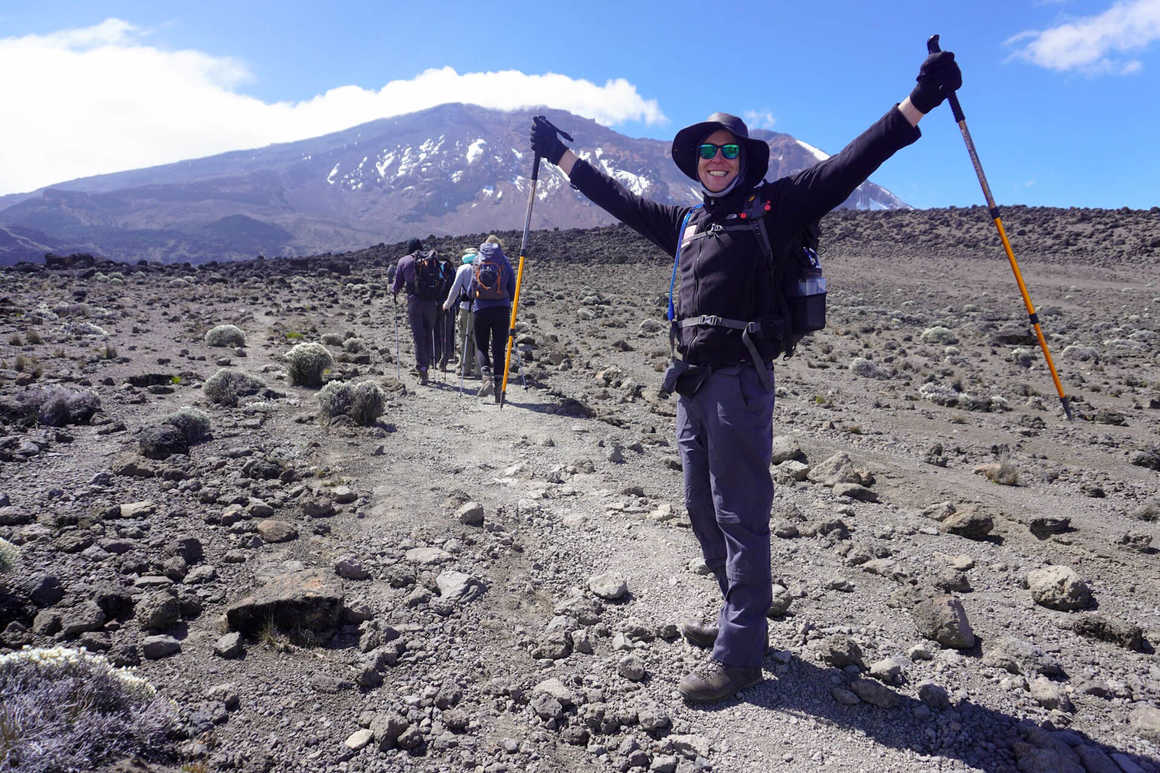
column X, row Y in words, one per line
column 66, row 709
column 33, row 337
column 307, row 363
column 191, row 422
column 335, row 399
column 363, row 402
column 9, row 554
column 226, row 386
column 225, row 335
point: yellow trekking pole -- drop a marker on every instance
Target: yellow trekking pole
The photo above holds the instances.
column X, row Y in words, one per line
column 957, row 110
column 520, row 270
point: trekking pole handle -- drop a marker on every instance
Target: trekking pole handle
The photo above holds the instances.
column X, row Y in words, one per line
column 953, row 98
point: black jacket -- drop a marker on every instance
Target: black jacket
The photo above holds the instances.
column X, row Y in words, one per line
column 724, row 272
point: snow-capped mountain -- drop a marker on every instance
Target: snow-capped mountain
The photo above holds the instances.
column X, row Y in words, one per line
column 448, row 170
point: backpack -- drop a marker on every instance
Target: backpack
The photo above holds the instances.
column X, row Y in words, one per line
column 488, row 275
column 796, row 277
column 428, row 277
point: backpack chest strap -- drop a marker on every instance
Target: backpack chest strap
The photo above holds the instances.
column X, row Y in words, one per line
column 712, row 320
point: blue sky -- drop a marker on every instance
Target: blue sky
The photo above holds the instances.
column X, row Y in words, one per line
column 1060, row 95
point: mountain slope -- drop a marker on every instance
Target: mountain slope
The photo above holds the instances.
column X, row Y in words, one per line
column 451, row 169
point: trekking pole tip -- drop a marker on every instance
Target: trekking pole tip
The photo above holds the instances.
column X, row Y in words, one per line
column 1066, row 408
column 932, row 44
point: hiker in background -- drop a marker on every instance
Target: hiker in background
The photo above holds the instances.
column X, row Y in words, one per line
column 458, row 296
column 729, row 322
column 444, row 321
column 418, row 272
column 493, row 285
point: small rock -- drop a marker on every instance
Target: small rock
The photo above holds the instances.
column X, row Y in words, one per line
column 157, row 647
column 1049, row 695
column 274, row 531
column 608, row 586
column 358, row 739
column 228, row 646
column 943, row 619
column 631, row 667
column 470, row 514
column 875, row 693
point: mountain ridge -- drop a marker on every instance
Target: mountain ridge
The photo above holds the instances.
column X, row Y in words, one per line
column 453, row 168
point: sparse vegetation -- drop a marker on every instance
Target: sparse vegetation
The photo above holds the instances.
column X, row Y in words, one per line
column 307, row 363
column 193, row 423
column 65, row 709
column 362, row 402
column 225, row 335
column 9, row 554
column 226, row 386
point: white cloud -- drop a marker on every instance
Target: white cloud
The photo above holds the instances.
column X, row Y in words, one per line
column 1099, row 44
column 99, row 99
column 759, row 119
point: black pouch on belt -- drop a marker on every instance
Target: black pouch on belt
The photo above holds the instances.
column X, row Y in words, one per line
column 684, row 379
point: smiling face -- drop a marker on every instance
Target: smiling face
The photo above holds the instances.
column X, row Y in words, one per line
column 718, row 172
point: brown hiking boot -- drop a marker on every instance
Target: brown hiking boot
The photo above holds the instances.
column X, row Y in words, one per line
column 699, row 633
column 714, row 681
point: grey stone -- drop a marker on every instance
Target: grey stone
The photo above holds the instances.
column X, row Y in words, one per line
column 459, row 587
column 608, row 586
column 1095, row 761
column 1145, row 721
column 306, row 600
column 470, row 514
column 631, row 667
column 350, row 568
column 158, row 611
column 1117, row 632
column 840, row 651
column 387, row 727
column 887, row 670
column 159, row 646
column 1059, row 587
column 786, row 448
column 933, row 695
column 844, row 696
column 875, row 693
column 161, row 442
column 943, row 619
column 427, row 556
column 359, row 738
column 855, row 491
column 1050, row 695
column 228, row 646
column 969, row 523
column 274, row 531
column 84, row 617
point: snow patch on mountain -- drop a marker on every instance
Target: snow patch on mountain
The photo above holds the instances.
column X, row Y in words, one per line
column 819, row 155
column 475, row 150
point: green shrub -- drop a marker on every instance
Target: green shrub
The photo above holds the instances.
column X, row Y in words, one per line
column 307, row 363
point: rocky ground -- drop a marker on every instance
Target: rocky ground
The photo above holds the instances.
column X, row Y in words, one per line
column 965, row 578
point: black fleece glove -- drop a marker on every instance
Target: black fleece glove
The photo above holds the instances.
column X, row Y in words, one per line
column 937, row 78
column 545, row 141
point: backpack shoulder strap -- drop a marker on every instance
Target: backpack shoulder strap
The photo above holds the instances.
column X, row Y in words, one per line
column 672, row 314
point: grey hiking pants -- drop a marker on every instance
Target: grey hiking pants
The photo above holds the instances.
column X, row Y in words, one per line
column 470, row 363
column 725, row 436
column 422, row 316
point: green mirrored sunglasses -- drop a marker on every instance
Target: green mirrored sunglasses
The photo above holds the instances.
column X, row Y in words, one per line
column 707, row 150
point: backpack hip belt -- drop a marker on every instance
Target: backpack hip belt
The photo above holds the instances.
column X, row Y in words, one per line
column 748, row 330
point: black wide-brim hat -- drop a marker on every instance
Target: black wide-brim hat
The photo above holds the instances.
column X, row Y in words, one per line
column 755, row 152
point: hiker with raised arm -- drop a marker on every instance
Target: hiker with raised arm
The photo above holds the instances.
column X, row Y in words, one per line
column 730, row 319
column 418, row 271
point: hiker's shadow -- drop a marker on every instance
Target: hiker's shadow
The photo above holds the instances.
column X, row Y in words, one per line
column 979, row 736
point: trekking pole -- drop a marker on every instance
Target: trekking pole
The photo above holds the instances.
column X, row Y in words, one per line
column 396, row 338
column 463, row 360
column 520, row 271
column 957, row 110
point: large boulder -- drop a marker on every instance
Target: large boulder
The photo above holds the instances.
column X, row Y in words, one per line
column 303, row 602
column 943, row 619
